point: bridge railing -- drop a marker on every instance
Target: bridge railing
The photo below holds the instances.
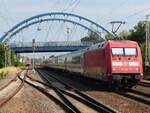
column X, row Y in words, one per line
column 44, row 44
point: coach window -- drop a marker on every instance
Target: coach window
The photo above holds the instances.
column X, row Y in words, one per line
column 117, row 52
column 69, row 59
column 76, row 60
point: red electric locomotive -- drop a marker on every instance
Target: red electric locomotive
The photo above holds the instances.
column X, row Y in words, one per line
column 116, row 62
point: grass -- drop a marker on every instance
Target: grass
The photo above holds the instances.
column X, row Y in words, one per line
column 22, row 67
column 3, row 75
column 8, row 71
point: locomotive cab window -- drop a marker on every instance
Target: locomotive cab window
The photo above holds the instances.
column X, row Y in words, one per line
column 130, row 51
column 117, row 52
column 124, row 52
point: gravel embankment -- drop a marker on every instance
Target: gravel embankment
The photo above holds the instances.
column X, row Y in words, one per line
column 29, row 100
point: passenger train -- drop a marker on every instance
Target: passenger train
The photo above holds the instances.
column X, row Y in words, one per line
column 115, row 62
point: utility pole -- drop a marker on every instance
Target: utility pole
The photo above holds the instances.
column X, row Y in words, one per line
column 33, row 49
column 147, row 43
column 68, row 31
column 5, row 49
column 9, row 55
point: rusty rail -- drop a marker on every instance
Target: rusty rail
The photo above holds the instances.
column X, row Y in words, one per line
column 4, row 101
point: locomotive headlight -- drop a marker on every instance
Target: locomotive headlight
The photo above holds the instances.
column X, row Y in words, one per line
column 117, row 63
column 125, row 64
column 133, row 63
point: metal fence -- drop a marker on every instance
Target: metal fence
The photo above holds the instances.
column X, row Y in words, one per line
column 43, row 44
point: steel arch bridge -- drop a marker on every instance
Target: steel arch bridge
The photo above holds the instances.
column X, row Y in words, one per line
column 55, row 16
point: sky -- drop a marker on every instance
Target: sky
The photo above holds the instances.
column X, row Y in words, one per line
column 100, row 11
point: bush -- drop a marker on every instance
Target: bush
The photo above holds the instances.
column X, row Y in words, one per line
column 20, row 65
column 17, row 64
column 147, row 74
column 3, row 75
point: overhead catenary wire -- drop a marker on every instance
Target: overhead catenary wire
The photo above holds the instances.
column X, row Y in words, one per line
column 47, row 30
column 54, row 4
column 72, row 3
column 60, row 30
column 65, row 8
column 112, row 10
column 68, row 2
column 3, row 4
column 136, row 13
column 4, row 19
column 51, row 28
column 75, row 6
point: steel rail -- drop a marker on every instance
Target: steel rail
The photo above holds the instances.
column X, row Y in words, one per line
column 146, row 84
column 140, row 93
column 138, row 99
column 58, row 91
column 90, row 101
column 66, row 93
column 125, row 94
column 6, row 85
column 3, row 102
column 44, row 91
column 80, row 99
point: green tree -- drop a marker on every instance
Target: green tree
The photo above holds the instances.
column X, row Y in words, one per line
column 13, row 58
column 138, row 33
column 124, row 34
column 2, row 55
column 92, row 37
column 109, row 36
column 143, row 51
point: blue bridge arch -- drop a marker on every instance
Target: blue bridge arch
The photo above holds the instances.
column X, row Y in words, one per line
column 50, row 17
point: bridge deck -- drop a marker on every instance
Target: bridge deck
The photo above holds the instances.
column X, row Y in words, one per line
column 48, row 46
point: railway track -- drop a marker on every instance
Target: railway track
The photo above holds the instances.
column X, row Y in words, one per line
column 44, row 91
column 63, row 98
column 76, row 94
column 140, row 93
column 138, row 96
column 145, row 83
column 9, row 97
column 6, row 85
